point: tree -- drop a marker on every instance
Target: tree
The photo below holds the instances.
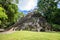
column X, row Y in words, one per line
column 3, row 17
column 49, row 9
column 8, row 12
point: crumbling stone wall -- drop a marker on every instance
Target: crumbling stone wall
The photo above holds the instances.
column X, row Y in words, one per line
column 32, row 22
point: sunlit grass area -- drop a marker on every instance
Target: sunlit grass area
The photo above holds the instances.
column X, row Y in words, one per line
column 28, row 35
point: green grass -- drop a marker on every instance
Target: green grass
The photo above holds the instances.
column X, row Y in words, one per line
column 27, row 35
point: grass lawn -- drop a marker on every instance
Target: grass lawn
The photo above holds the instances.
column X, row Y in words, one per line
column 27, row 35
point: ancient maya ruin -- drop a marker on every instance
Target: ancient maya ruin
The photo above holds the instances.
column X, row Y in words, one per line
column 33, row 22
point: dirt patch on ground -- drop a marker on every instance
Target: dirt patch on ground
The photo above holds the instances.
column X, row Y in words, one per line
column 7, row 32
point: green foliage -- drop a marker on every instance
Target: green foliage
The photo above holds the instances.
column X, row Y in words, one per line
column 2, row 13
column 0, row 22
column 56, row 18
column 12, row 10
column 48, row 8
column 17, row 16
column 8, row 13
column 56, row 27
column 46, row 5
column 3, row 17
column 50, row 11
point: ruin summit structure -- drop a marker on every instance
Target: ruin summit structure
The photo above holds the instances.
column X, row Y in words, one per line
column 33, row 21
